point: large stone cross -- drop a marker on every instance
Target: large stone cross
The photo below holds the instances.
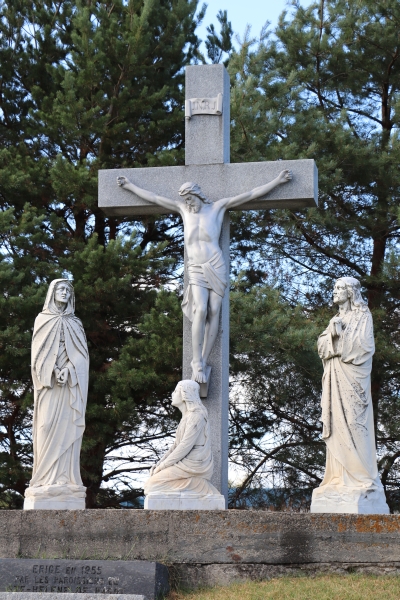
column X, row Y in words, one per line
column 207, row 141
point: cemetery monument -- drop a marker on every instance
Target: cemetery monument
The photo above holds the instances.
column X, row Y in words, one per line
column 210, row 177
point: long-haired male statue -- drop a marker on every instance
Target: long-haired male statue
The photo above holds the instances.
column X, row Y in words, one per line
column 351, row 483
column 208, row 277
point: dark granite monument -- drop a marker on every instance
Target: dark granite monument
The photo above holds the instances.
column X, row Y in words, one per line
column 149, row 579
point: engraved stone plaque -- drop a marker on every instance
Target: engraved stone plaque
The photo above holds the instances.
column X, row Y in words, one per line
column 203, row 106
column 149, row 579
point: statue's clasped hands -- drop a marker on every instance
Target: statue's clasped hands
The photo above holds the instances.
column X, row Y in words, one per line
column 155, row 469
column 337, row 324
column 61, row 375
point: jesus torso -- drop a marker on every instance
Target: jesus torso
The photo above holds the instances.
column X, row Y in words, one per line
column 201, row 232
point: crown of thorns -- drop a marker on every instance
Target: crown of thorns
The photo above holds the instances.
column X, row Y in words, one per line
column 193, row 188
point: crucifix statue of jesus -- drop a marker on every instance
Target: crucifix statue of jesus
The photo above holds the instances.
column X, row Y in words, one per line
column 204, row 207
column 208, row 276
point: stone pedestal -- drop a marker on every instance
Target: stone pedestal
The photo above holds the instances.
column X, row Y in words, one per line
column 55, row 497
column 184, row 501
column 353, row 500
column 204, row 547
column 54, row 504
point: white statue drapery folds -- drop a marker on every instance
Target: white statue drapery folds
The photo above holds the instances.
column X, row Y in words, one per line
column 351, row 482
column 60, row 372
column 208, row 274
column 181, row 478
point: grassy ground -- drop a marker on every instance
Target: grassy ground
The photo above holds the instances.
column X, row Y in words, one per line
column 330, row 587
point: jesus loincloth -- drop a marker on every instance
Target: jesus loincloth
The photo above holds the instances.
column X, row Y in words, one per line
column 211, row 275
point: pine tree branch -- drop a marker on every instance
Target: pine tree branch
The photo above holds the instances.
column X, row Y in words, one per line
column 328, row 253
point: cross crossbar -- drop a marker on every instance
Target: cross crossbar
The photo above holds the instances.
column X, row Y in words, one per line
column 216, row 181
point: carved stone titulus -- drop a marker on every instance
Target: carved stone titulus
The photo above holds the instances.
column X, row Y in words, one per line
column 60, row 373
column 203, row 106
column 181, row 478
column 351, row 483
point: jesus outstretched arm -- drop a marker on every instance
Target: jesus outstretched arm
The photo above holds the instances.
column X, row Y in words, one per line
column 172, row 205
column 257, row 192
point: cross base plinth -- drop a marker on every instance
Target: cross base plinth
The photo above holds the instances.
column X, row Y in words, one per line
column 184, row 501
column 350, row 500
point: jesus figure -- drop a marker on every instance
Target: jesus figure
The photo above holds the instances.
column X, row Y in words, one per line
column 208, row 277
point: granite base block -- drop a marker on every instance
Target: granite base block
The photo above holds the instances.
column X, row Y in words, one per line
column 79, row 577
column 205, row 547
column 54, row 504
column 50, row 596
column 182, row 501
column 346, row 500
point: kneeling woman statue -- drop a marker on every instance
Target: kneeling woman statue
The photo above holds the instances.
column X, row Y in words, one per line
column 181, row 478
column 60, row 373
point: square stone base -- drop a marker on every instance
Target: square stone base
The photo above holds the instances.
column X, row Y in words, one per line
column 33, row 503
column 341, row 499
column 184, row 501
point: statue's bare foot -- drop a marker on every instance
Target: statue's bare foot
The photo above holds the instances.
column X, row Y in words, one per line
column 198, row 371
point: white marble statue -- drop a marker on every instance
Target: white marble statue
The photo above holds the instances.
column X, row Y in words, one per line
column 351, row 483
column 181, row 478
column 60, row 372
column 208, row 277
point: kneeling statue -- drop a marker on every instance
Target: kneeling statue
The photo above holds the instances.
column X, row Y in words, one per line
column 181, row 478
column 351, row 483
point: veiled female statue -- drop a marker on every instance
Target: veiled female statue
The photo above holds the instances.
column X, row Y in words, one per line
column 351, row 483
column 60, row 372
column 181, row 478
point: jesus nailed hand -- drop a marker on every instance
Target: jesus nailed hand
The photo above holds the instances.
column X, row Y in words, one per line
column 208, row 277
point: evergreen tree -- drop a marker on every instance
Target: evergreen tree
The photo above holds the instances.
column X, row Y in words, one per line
column 326, row 87
column 86, row 86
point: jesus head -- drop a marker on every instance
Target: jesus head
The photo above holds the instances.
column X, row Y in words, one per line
column 193, row 196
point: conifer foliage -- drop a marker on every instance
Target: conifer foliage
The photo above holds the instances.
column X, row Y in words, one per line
column 327, row 87
column 84, row 86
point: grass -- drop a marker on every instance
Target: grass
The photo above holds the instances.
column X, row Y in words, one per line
column 326, row 587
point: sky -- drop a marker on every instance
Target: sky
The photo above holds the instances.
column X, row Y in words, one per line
column 243, row 12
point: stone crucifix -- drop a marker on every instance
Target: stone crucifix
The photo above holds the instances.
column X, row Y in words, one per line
column 213, row 187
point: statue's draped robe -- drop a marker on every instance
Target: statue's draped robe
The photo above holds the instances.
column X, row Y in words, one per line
column 59, row 411
column 211, row 275
column 347, row 414
column 188, row 464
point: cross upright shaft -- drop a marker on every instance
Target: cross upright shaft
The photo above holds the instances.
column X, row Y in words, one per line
column 207, row 142
column 207, row 138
